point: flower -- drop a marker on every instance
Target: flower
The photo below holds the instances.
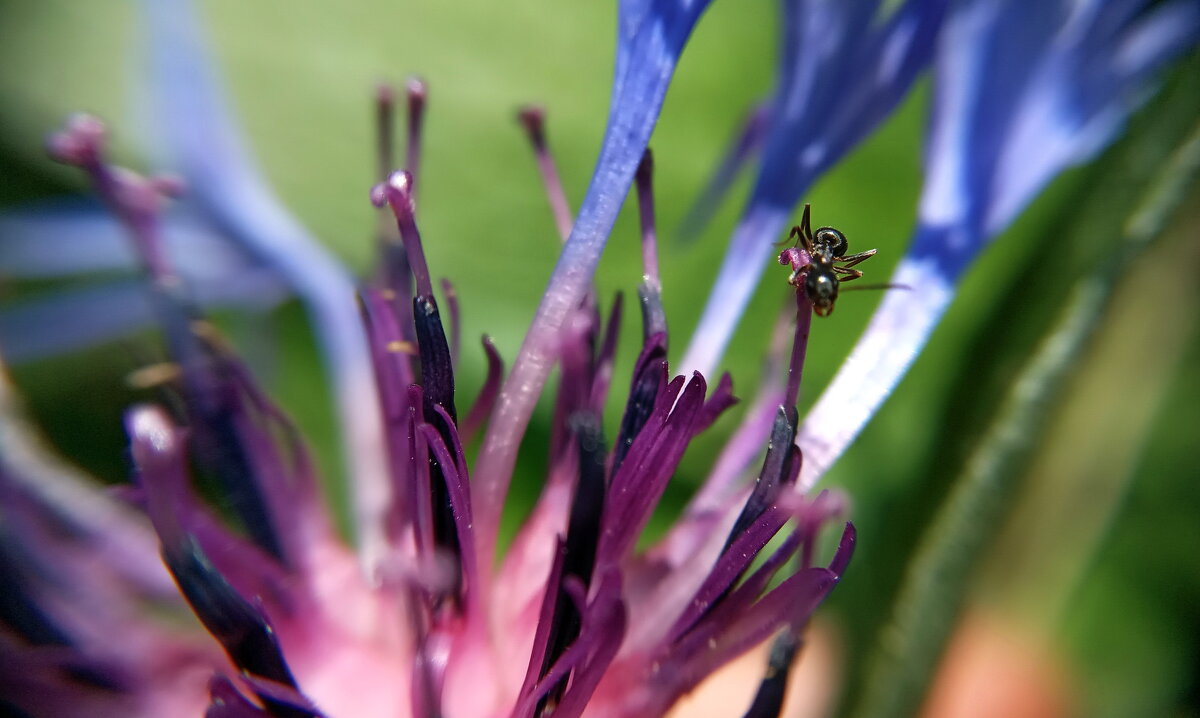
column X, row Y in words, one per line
column 575, row 618
column 224, row 520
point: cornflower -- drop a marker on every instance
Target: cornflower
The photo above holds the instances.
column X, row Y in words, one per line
column 574, row 619
column 599, row 625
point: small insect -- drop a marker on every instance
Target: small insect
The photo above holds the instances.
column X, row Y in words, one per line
column 820, row 263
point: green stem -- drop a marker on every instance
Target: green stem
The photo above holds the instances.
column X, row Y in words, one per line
column 911, row 644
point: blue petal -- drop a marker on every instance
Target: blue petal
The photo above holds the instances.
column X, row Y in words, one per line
column 650, row 37
column 1023, row 91
column 75, row 236
column 746, row 146
column 74, row 319
column 843, row 70
column 227, row 187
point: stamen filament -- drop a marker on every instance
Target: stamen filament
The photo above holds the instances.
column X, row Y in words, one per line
column 804, row 312
column 654, row 317
column 533, row 119
column 645, row 194
column 397, row 192
column 416, row 91
column 385, row 117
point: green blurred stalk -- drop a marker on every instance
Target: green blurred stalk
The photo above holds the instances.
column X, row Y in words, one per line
column 1088, row 458
column 936, row 581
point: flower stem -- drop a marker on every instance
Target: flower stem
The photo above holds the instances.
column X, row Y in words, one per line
column 936, row 582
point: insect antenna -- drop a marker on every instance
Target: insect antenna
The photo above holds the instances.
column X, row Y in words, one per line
column 858, row 287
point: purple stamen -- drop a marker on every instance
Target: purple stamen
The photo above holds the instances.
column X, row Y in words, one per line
column 780, row 467
column 487, row 393
column 583, row 532
column 135, row 200
column 536, row 669
column 575, row 356
column 651, row 459
column 804, row 312
column 451, row 298
column 421, row 487
column 649, row 378
column 746, row 145
column 533, row 119
column 437, row 377
column 645, row 194
column 722, row 398
column 654, row 318
column 385, row 114
column 604, row 623
column 392, row 271
column 397, row 192
column 220, row 437
column 602, row 375
column 416, row 91
column 160, row 455
column 453, row 473
column 768, row 701
column 437, row 368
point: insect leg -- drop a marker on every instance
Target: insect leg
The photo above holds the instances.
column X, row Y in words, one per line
column 854, row 259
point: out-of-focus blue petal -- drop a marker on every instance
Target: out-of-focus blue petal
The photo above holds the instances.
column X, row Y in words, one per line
column 1022, row 92
column 75, row 236
column 74, row 319
column 843, row 69
column 650, row 37
column 746, row 145
column 207, row 149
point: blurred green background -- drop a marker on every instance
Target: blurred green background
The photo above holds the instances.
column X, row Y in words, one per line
column 1101, row 556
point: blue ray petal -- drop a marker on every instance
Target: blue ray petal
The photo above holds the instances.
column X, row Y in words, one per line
column 77, row 236
column 843, row 69
column 1022, row 92
column 651, row 35
column 223, row 181
column 74, row 319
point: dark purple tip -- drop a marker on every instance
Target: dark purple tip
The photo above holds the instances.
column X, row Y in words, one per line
column 488, row 393
column 746, row 144
column 385, row 111
column 80, row 142
column 645, row 192
column 240, row 627
column 397, row 192
column 768, row 701
column 775, row 472
column 804, row 312
column 845, row 550
column 533, row 119
column 20, row 610
column 417, row 92
column 583, row 536
column 385, row 96
column 649, row 377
